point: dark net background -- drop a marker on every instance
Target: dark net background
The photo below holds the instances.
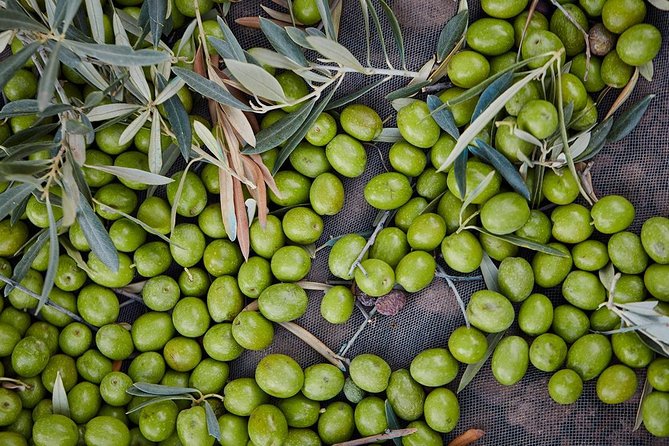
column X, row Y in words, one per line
column 523, row 414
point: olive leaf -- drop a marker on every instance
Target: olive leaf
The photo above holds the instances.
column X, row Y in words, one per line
column 95, row 21
column 11, row 64
column 490, row 273
column 143, row 389
column 662, row 5
column 54, row 252
column 393, row 421
column 460, row 172
column 209, row 89
column 297, row 137
column 29, row 256
column 158, row 399
column 11, row 198
column 14, row 19
column 396, row 29
column 523, row 243
column 334, row 51
column 60, row 405
column 213, row 428
column 492, row 92
column 629, row 119
column 178, row 119
column 442, row 116
column 281, row 130
column 47, row 82
column 598, row 137
column 132, row 174
column 157, row 15
column 256, row 80
column 472, row 369
column 97, row 236
column 326, row 17
column 490, row 112
column 647, row 71
column 110, row 111
column 131, row 130
column 117, row 54
column 507, row 170
column 451, row 33
column 407, row 91
column 638, row 419
column 389, row 135
column 280, row 40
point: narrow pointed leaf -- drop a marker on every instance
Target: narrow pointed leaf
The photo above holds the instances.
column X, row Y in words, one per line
column 212, row 422
column 472, row 369
column 29, row 255
column 460, row 172
column 491, row 93
column 12, row 19
column 179, row 121
column 525, row 243
column 70, row 9
column 647, row 71
column 598, row 137
column 96, row 235
column 11, row 198
column 280, row 131
column 393, row 421
column 379, row 30
column 170, row 90
column 230, row 38
column 298, row 36
column 396, row 29
column 94, row 14
column 157, row 399
column 155, row 156
column 502, row 165
column 490, row 112
column 11, row 64
column 326, row 17
column 224, row 49
column 389, row 134
column 451, row 34
column 54, row 252
column 110, row 111
column 490, row 273
column 59, row 401
column 443, row 116
column 256, row 80
column 117, row 54
column 629, row 119
column 306, row 125
column 134, row 127
column 157, row 10
column 47, row 82
column 647, row 388
column 160, row 390
column 407, row 91
column 5, row 38
column 281, row 41
column 131, row 174
column 209, row 89
column 335, row 52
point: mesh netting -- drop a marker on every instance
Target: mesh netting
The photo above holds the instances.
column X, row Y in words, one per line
column 523, row 414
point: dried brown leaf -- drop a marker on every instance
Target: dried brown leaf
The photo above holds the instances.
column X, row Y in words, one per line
column 242, row 220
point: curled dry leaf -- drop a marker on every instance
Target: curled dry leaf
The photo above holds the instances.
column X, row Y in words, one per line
column 392, row 303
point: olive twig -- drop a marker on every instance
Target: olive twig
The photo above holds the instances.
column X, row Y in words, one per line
column 389, row 435
column 380, row 225
column 346, row 347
